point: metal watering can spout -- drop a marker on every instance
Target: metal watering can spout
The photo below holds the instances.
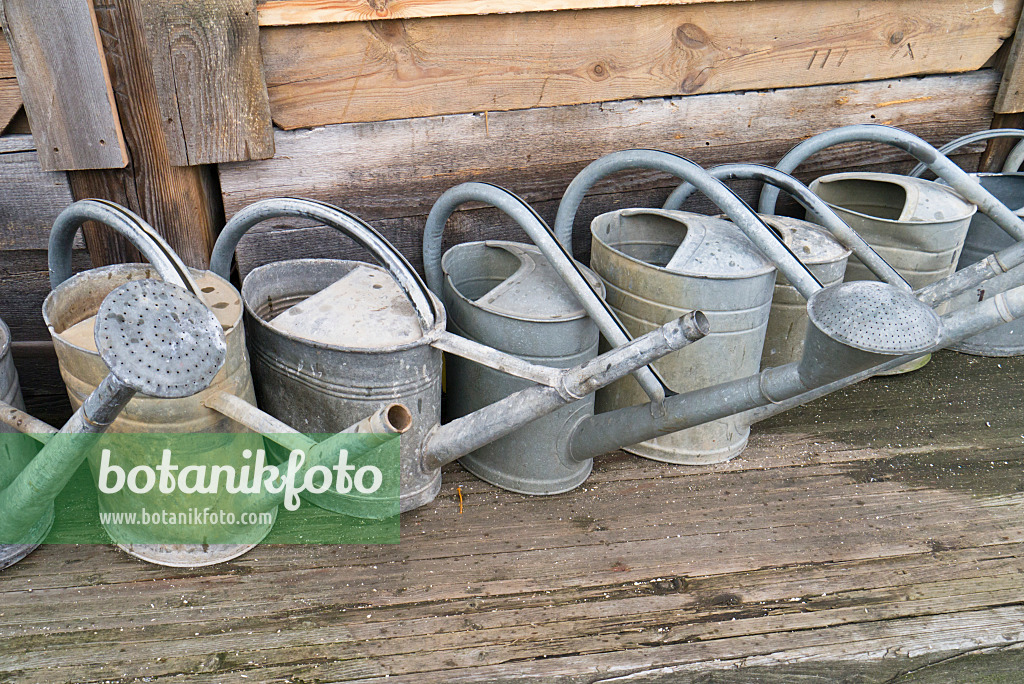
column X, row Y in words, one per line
column 856, row 330
column 184, row 350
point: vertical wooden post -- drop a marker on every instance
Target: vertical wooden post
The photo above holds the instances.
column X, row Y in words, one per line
column 1009, row 100
column 182, row 202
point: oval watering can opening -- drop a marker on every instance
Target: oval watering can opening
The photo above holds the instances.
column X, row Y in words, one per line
column 917, row 226
column 658, row 265
column 984, row 237
column 69, row 312
column 334, row 341
column 506, row 295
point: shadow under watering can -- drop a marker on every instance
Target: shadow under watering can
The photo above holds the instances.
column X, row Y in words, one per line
column 917, row 226
column 985, row 237
column 318, row 380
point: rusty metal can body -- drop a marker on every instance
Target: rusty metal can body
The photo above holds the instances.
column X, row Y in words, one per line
column 918, row 226
column 826, row 259
column 506, row 295
column 68, row 311
column 15, row 453
column 722, row 274
column 319, row 387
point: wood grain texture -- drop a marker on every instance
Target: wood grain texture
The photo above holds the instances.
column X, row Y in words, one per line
column 180, row 202
column 209, row 80
column 392, row 172
column 10, row 101
column 64, row 81
column 290, row 12
column 1010, row 99
column 370, row 71
column 6, row 61
column 837, row 548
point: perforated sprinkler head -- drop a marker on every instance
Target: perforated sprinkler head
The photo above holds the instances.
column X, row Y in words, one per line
column 158, row 339
column 856, row 325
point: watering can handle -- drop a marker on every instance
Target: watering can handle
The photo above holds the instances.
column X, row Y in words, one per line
column 957, row 179
column 332, row 217
column 556, row 254
column 1013, row 161
column 829, row 220
column 729, row 202
column 139, row 233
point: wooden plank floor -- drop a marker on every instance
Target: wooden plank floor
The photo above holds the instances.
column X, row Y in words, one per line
column 874, row 536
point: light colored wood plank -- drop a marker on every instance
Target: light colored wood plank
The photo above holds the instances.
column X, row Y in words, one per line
column 209, row 80
column 64, row 81
column 370, row 71
column 10, row 100
column 1010, row 99
column 290, row 12
column 6, row 61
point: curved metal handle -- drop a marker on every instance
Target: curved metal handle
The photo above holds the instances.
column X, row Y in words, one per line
column 333, row 217
column 567, row 268
column 957, row 179
column 970, row 138
column 828, row 218
column 139, row 233
column 729, row 202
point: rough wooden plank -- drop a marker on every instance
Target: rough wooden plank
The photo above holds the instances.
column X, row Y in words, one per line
column 180, row 202
column 30, row 198
column 1010, row 99
column 209, row 80
column 6, row 61
column 791, row 563
column 64, row 81
column 392, row 172
column 371, row 71
column 290, row 12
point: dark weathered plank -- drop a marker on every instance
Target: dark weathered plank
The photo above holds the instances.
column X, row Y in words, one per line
column 209, row 80
column 180, row 202
column 371, row 71
column 392, row 172
column 64, row 82
column 30, row 198
column 837, row 548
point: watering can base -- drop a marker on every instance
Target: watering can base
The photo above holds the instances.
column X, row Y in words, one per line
column 533, row 487
column 979, row 346
column 654, row 452
column 909, row 366
column 361, row 507
column 186, row 555
column 12, row 553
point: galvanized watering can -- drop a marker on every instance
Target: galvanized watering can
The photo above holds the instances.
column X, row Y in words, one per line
column 185, row 350
column 660, row 263
column 823, row 249
column 985, row 237
column 917, row 226
column 15, row 454
column 224, row 406
column 318, row 379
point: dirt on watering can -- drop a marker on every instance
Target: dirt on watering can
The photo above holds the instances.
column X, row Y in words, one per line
column 659, row 264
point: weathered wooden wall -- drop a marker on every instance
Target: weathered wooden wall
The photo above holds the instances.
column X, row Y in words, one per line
column 391, row 172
